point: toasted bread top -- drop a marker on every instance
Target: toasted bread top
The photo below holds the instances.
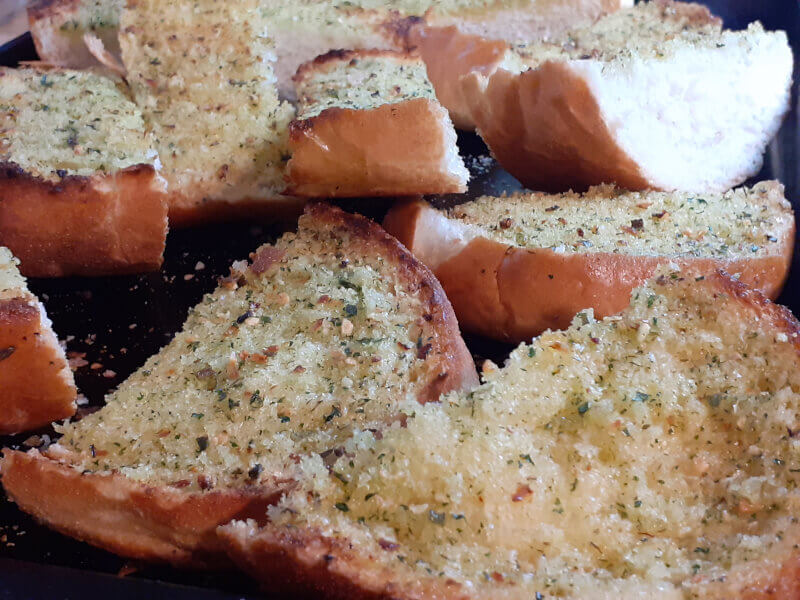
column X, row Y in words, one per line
column 742, row 223
column 201, row 72
column 334, row 329
column 649, row 453
column 12, row 283
column 359, row 79
column 649, row 29
column 57, row 123
column 76, row 17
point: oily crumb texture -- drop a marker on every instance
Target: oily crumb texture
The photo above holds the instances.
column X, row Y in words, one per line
column 203, row 76
column 334, row 329
column 618, row 458
column 360, row 80
column 56, row 123
column 746, row 222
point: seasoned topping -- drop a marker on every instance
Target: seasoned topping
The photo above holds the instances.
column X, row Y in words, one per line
column 59, row 123
column 360, row 80
column 744, row 222
column 267, row 371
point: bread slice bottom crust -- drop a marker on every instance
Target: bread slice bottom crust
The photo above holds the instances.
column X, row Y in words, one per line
column 513, row 294
column 303, row 559
column 36, row 383
column 168, row 524
column 189, row 212
column 396, row 149
column 98, row 225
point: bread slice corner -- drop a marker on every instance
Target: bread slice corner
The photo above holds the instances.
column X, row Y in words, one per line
column 369, row 124
column 80, row 194
column 643, row 455
column 330, row 332
column 515, row 266
column 37, row 384
column 657, row 96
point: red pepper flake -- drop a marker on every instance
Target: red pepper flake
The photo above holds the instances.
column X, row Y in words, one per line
column 552, row 208
column 271, row 351
column 404, row 346
column 181, row 483
column 562, row 220
column 323, row 299
column 637, row 224
column 497, row 577
column 299, row 369
column 523, row 492
column 163, row 433
column 205, row 482
column 506, row 223
column 422, row 352
column 660, row 215
column 580, row 232
column 387, row 545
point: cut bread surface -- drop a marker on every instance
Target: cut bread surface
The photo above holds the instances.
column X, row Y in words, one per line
column 37, row 384
column 622, row 80
column 649, row 455
column 369, row 124
column 332, row 329
column 514, row 266
column 80, row 193
column 202, row 74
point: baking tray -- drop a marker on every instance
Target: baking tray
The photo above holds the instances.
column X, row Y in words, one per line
column 120, row 321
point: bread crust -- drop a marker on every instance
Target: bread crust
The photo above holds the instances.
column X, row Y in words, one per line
column 546, row 127
column 297, row 559
column 37, row 383
column 453, row 51
column 97, row 225
column 402, row 148
column 513, row 294
column 156, row 523
column 166, row 524
column 56, row 47
column 185, row 211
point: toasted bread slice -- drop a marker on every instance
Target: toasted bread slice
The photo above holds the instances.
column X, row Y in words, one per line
column 368, row 124
column 333, row 330
column 202, row 74
column 517, row 265
column 80, row 194
column 452, row 47
column 649, row 455
column 58, row 27
column 656, row 96
column 37, row 384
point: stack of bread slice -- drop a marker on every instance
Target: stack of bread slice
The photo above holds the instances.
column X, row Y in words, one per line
column 333, row 331
column 368, row 124
column 657, row 96
column 80, row 192
column 308, row 28
column 36, row 383
column 514, row 266
column 649, row 455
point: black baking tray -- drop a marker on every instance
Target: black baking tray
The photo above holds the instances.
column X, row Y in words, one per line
column 120, row 321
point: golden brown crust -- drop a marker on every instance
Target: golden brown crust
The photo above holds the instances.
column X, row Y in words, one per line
column 37, row 384
column 160, row 523
column 331, row 57
column 394, row 149
column 155, row 523
column 449, row 54
column 98, row 225
column 301, row 559
column 546, row 129
column 514, row 294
